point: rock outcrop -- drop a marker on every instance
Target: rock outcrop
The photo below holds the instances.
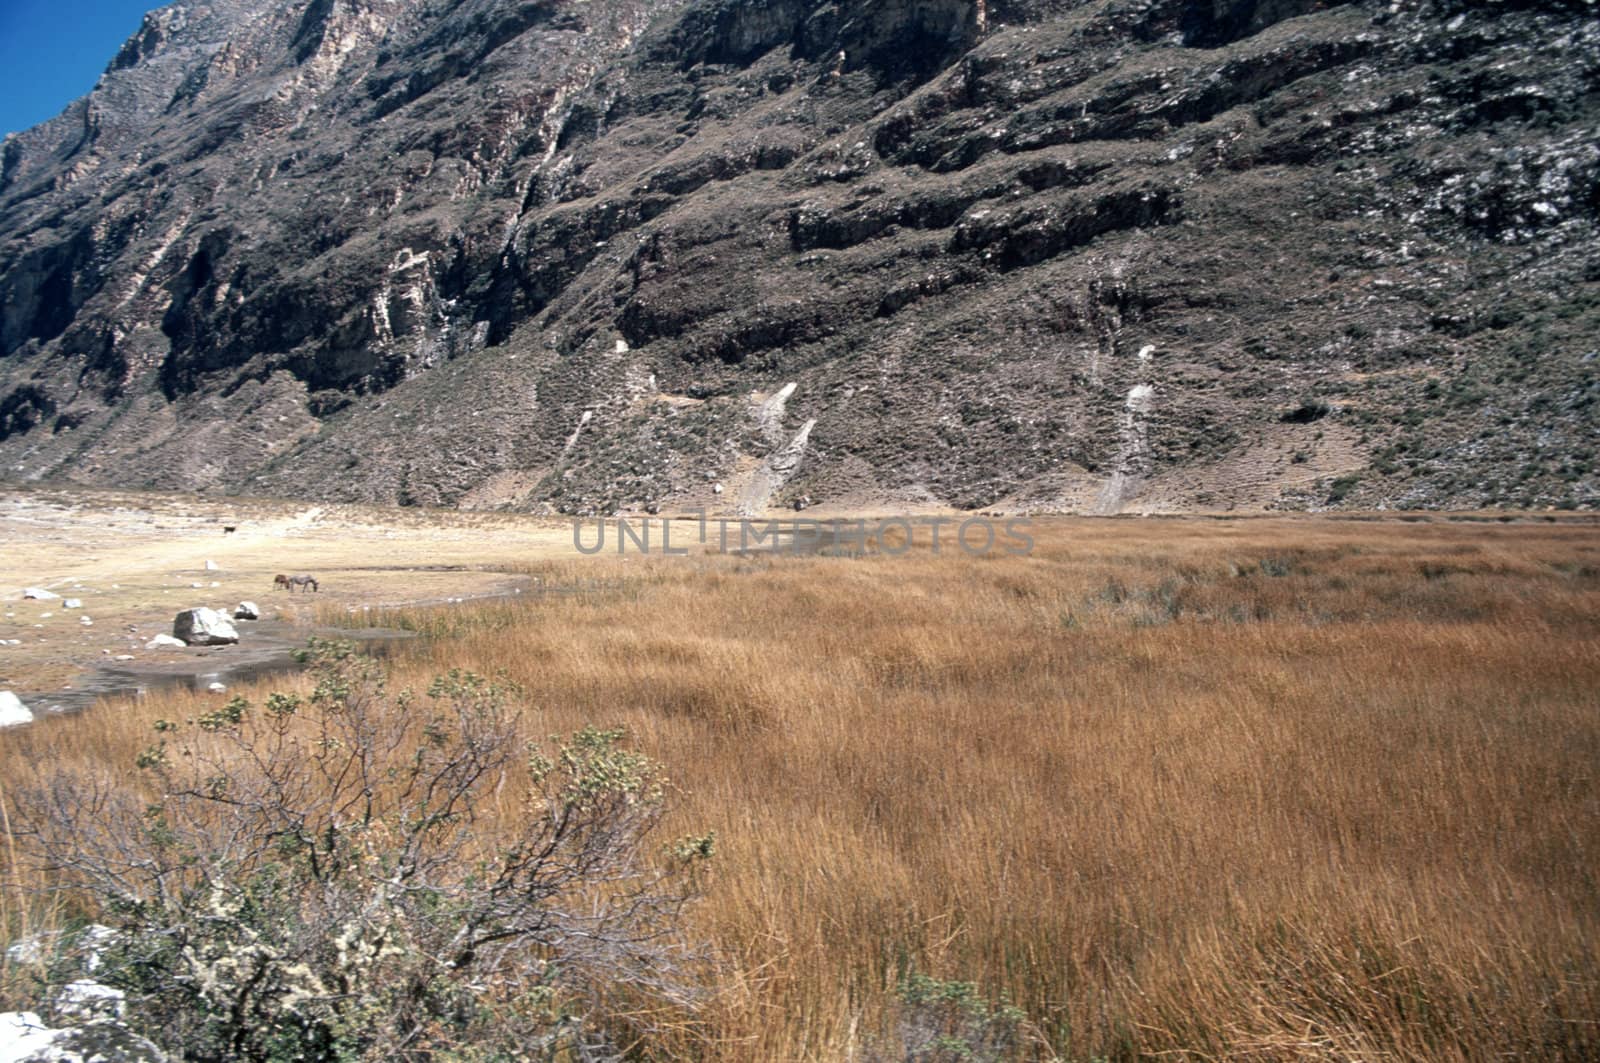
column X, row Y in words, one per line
column 396, row 251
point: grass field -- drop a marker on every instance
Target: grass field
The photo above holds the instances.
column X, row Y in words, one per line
column 1262, row 788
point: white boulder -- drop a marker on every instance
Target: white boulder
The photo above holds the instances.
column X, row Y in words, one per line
column 24, row 1038
column 211, row 566
column 218, row 688
column 13, row 713
column 204, row 627
column 165, row 642
column 86, row 999
column 40, row 594
column 247, row 611
column 23, row 1035
column 72, row 603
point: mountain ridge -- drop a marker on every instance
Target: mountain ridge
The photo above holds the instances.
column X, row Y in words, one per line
column 1095, row 256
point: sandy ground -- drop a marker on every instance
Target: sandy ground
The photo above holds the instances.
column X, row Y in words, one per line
column 135, row 560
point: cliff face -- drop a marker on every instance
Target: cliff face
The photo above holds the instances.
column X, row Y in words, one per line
column 1108, row 255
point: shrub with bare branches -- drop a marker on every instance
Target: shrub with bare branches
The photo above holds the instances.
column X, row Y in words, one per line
column 363, row 873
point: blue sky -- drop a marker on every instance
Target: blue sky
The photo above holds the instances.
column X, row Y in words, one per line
column 51, row 52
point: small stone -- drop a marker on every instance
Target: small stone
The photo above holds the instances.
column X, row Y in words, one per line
column 39, row 594
column 247, row 611
column 217, row 688
column 164, row 642
column 123, row 657
column 211, row 566
column 86, row 621
column 13, row 713
column 95, row 940
column 85, row 999
column 72, row 603
column 31, row 949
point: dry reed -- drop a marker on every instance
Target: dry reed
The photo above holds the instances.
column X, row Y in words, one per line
column 1260, row 789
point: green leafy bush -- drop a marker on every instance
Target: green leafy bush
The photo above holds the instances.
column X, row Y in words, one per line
column 951, row 1022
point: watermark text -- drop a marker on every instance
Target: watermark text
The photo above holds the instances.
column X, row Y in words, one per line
column 893, row 536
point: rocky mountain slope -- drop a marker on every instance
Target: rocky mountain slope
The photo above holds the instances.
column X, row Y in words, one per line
column 606, row 255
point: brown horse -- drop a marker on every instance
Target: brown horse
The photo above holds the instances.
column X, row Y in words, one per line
column 289, row 583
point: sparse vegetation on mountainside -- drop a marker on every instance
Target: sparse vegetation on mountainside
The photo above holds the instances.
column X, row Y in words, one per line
column 558, row 257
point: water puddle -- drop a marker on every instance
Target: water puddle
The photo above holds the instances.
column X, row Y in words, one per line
column 268, row 651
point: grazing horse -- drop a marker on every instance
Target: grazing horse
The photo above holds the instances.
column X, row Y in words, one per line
column 289, row 583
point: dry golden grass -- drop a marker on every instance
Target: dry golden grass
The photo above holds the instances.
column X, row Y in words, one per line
column 1202, row 789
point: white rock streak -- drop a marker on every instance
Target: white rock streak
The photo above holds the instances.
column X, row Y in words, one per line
column 769, row 415
column 777, row 470
column 1133, row 457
